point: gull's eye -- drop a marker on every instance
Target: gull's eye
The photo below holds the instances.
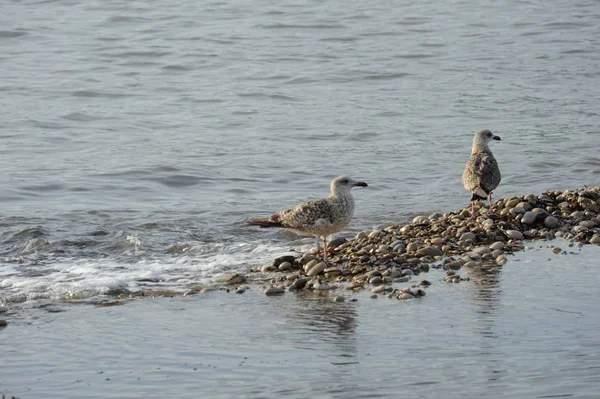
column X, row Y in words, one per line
column 344, row 181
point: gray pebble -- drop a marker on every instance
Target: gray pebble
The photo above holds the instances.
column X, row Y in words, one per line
column 316, row 269
column 514, row 234
column 587, row 223
column 299, row 284
column 551, row 222
column 285, row 266
column 497, row 245
column 378, row 290
column 310, row 265
column 274, row 291
column 468, row 237
column 376, row 280
column 529, row 218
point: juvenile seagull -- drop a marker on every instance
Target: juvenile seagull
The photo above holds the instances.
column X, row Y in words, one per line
column 321, row 217
column 481, row 175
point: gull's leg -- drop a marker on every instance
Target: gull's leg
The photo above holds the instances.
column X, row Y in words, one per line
column 325, row 249
column 490, row 200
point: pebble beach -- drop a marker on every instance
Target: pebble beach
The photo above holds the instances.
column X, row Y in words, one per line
column 453, row 241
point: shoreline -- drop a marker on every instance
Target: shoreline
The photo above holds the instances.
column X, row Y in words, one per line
column 375, row 260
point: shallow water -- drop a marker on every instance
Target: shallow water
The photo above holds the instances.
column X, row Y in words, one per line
column 137, row 137
column 529, row 330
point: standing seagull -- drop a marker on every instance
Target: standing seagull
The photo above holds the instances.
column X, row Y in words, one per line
column 481, row 175
column 321, row 217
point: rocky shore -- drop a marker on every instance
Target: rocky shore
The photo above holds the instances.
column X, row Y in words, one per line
column 378, row 259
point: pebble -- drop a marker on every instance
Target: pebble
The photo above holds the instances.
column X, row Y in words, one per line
column 285, row 266
column 595, row 240
column 306, row 258
column 190, row 292
column 354, row 285
column 472, row 264
column 433, row 251
column 468, row 237
column 362, row 235
column 481, row 251
column 310, row 265
column 420, row 220
column 336, row 242
column 236, row 279
column 437, row 241
column 240, row 290
column 529, row 218
column 378, row 290
column 412, row 247
column 525, row 205
column 299, row 284
column 3, row 323
column 514, row 234
column 556, row 250
column 551, row 222
column 501, row 260
column 408, row 272
column 588, row 224
column 286, row 258
column 338, row 298
column 274, row 291
column 511, row 202
column 267, row 268
column 316, row 269
column 454, row 265
column 404, row 295
column 376, row 280
column 403, row 279
column 497, row 245
column 374, row 296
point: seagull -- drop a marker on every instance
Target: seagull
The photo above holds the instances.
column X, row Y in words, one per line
column 319, row 218
column 481, row 175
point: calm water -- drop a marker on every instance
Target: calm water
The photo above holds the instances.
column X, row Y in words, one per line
column 137, row 137
column 529, row 331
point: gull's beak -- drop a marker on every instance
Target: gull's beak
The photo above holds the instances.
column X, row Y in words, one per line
column 360, row 184
column 496, row 138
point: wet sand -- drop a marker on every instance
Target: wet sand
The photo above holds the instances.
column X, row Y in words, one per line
column 528, row 329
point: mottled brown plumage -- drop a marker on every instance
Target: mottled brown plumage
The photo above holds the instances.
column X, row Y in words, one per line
column 320, row 217
column 482, row 175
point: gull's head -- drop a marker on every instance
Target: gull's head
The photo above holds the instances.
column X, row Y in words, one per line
column 483, row 137
column 344, row 184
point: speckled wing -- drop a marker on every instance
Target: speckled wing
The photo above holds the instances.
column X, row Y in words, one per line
column 490, row 173
column 481, row 174
column 308, row 214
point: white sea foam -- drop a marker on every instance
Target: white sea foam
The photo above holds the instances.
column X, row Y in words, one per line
column 69, row 278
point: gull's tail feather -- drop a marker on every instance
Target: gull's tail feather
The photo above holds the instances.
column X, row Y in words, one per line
column 265, row 222
column 476, row 197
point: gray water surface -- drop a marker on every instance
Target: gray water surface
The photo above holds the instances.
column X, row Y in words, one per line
column 529, row 330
